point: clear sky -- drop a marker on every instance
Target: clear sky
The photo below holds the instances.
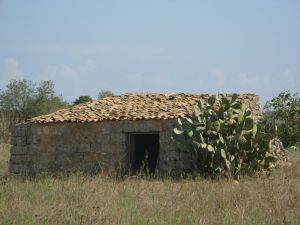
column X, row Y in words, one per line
column 152, row 46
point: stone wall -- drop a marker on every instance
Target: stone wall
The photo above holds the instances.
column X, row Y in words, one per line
column 95, row 147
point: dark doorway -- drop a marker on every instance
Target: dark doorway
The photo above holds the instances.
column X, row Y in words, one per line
column 143, row 152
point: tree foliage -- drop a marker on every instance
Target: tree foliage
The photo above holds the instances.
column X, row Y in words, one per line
column 105, row 93
column 17, row 97
column 222, row 138
column 82, row 99
column 284, row 112
column 29, row 99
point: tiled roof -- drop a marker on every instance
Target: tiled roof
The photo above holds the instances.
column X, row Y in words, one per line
column 135, row 106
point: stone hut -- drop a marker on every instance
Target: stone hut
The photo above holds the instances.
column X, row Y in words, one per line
column 108, row 135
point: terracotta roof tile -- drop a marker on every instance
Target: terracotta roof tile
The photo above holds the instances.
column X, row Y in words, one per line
column 135, row 106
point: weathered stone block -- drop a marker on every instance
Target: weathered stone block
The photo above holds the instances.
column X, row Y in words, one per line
column 91, row 167
column 84, row 147
column 34, row 148
column 91, row 157
column 19, row 131
column 114, row 158
column 96, row 147
column 185, row 157
column 166, row 166
column 183, row 165
column 40, row 167
column 165, row 137
column 65, row 148
column 33, row 139
column 46, row 148
column 169, row 153
column 46, row 130
column 35, row 129
column 20, row 159
column 72, row 159
column 19, row 150
column 44, row 158
column 115, row 148
column 118, row 137
column 105, row 138
column 19, row 168
column 18, row 141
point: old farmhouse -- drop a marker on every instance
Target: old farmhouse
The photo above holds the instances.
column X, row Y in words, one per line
column 109, row 135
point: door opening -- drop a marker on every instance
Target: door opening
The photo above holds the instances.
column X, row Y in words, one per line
column 143, row 152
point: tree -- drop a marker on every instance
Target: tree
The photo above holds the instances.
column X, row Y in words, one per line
column 105, row 93
column 284, row 112
column 82, row 99
column 17, row 97
column 29, row 99
column 45, row 100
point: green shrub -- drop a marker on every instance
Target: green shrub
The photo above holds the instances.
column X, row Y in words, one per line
column 82, row 99
column 222, row 137
column 284, row 112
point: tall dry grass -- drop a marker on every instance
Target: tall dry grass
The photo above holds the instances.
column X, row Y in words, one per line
column 4, row 158
column 79, row 199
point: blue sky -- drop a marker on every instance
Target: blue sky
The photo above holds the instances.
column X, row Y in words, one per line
column 152, row 46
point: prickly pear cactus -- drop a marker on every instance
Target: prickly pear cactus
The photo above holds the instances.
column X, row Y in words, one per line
column 222, row 137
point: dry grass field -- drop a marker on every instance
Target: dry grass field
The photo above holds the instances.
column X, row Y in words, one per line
column 79, row 199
